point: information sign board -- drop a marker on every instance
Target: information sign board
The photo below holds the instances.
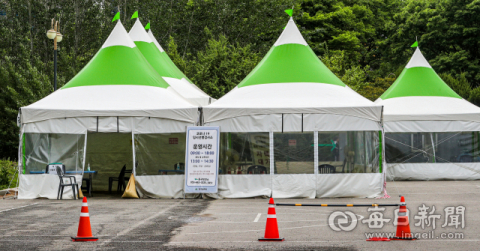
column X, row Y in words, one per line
column 201, row 159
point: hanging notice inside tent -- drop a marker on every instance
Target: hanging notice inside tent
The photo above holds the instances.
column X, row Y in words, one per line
column 201, row 159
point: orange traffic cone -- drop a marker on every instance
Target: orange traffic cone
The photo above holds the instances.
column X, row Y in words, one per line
column 271, row 230
column 84, row 229
column 403, row 225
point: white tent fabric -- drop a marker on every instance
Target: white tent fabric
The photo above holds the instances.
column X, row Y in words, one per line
column 291, row 35
column 111, row 100
column 434, row 171
column 43, row 186
column 292, row 98
column 152, row 37
column 135, row 100
column 130, row 107
column 295, row 107
column 182, row 86
column 423, row 108
column 413, row 113
column 431, row 126
column 189, row 91
column 418, row 60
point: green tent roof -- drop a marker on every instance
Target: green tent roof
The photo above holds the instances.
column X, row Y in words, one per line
column 291, row 60
column 418, row 79
column 153, row 52
column 118, row 62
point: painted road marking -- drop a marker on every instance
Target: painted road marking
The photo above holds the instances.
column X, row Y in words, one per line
column 257, row 218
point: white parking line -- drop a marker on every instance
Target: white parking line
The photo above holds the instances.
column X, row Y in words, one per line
column 257, row 218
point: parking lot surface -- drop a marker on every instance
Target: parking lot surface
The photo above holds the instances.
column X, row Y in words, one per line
column 197, row 224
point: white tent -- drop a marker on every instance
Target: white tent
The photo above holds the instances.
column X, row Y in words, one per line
column 295, row 114
column 162, row 63
column 117, row 92
column 431, row 132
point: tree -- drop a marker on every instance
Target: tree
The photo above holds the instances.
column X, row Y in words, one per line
column 447, row 32
column 21, row 84
column 220, row 67
column 375, row 89
column 459, row 85
column 355, row 27
column 353, row 76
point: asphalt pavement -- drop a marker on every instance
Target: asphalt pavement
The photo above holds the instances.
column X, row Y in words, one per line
column 236, row 224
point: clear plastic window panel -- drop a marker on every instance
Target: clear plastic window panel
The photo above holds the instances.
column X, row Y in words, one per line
column 244, row 153
column 457, row 147
column 294, row 153
column 348, row 152
column 160, row 154
column 448, row 147
column 41, row 149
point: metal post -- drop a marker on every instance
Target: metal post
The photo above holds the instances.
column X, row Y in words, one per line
column 55, row 59
column 55, row 67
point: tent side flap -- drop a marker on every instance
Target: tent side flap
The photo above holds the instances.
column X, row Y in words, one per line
column 122, row 100
column 418, row 108
column 434, row 171
column 432, row 126
column 369, row 113
column 107, row 124
column 292, row 98
column 296, row 122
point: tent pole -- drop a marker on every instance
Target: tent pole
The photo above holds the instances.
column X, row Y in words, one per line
column 272, row 160
column 315, row 159
column 282, row 122
column 84, row 152
column 133, row 154
column 380, row 157
column 365, row 149
column 433, row 148
column 302, row 122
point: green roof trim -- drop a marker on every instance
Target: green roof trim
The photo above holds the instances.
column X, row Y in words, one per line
column 290, row 63
column 117, row 65
column 419, row 81
column 160, row 61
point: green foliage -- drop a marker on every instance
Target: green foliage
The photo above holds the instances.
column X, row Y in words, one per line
column 475, row 96
column 257, row 23
column 217, row 43
column 351, row 75
column 374, row 90
column 22, row 83
column 356, row 27
column 176, row 57
column 220, row 67
column 447, row 32
column 7, row 171
column 461, row 86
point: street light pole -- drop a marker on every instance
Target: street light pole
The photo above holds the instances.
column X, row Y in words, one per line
column 54, row 33
column 55, row 60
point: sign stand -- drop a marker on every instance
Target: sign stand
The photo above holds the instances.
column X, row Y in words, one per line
column 201, row 159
